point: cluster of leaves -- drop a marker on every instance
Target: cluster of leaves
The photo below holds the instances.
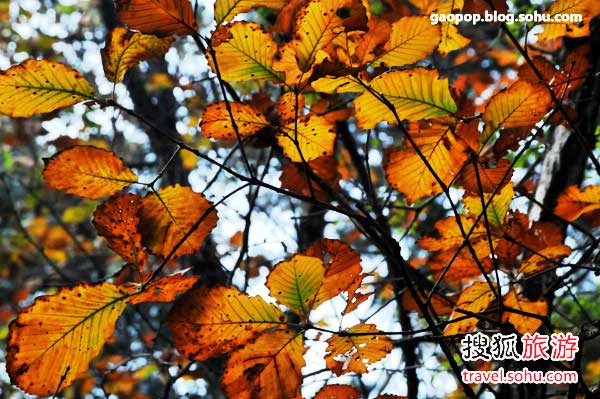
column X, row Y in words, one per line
column 332, row 61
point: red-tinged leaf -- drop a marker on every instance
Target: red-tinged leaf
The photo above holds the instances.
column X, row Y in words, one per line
column 491, row 175
column 88, row 172
column 51, row 342
column 208, row 322
column 337, row 391
column 116, row 220
column 574, row 202
column 267, row 368
column 293, row 177
column 165, row 289
column 354, row 353
column 216, row 121
column 168, row 216
column 475, row 298
column 158, row 16
column 524, row 324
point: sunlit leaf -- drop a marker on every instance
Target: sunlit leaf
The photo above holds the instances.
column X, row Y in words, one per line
column 523, row 323
column 158, row 16
column 416, row 94
column 497, row 208
column 244, row 51
column 354, row 353
column 39, row 87
column 88, row 172
column 337, row 391
column 411, row 39
column 554, row 30
column 116, row 220
column 294, row 178
column 51, row 342
column 490, row 176
column 406, row 171
column 451, row 38
column 165, row 289
column 168, row 216
column 216, row 122
column 207, row 322
column 308, row 138
column 475, row 298
column 267, row 368
column 574, row 203
column 226, row 10
column 545, row 258
column 125, row 49
column 522, row 105
column 333, row 84
column 294, row 282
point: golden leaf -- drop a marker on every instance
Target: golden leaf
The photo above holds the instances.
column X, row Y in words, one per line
column 523, row 323
column 216, row 122
column 226, row 10
column 498, row 207
column 308, row 138
column 475, row 298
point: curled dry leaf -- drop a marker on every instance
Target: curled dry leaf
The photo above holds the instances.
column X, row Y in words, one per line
column 88, row 172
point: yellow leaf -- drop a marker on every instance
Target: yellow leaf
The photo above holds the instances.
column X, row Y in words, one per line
column 88, row 172
column 208, row 322
column 451, row 39
column 167, row 217
column 334, row 84
column 554, row 30
column 244, row 52
column 216, row 122
column 124, row 49
column 226, row 10
column 523, row 323
column 443, row 150
column 522, row 105
column 412, row 39
column 308, row 138
column 496, row 210
column 415, row 93
column 158, row 16
column 349, row 353
column 545, row 258
column 574, row 203
column 475, row 298
column 39, row 87
column 294, row 282
column 51, row 342
column 267, row 368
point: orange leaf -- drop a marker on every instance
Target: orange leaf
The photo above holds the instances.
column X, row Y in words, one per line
column 165, row 289
column 523, row 323
column 353, row 353
column 51, row 342
column 167, row 217
column 267, row 368
column 475, row 298
column 547, row 257
column 39, row 87
column 443, row 150
column 116, row 220
column 308, row 138
column 451, row 236
column 522, row 105
column 574, row 203
column 555, row 30
column 158, row 16
column 294, row 178
column 489, row 176
column 216, row 122
column 88, row 172
column 207, row 322
column 125, row 49
column 289, row 106
column 337, row 391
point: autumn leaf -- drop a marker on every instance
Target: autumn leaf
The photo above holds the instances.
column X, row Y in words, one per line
column 554, row 30
column 207, row 322
column 451, row 39
column 216, row 122
column 497, row 208
column 244, row 51
column 51, row 342
column 165, row 289
column 226, row 10
column 337, row 391
column 475, row 299
column 406, row 171
column 450, row 236
column 267, row 368
column 168, row 216
column 491, row 175
column 354, row 353
column 574, row 202
column 523, row 323
column 415, row 94
column 39, row 87
column 411, row 39
column 545, row 258
column 334, row 84
column 308, row 138
column 158, row 16
column 88, row 172
column 289, row 106
column 522, row 105
column 125, row 49
column 294, row 282
column 116, row 220
column 293, row 177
